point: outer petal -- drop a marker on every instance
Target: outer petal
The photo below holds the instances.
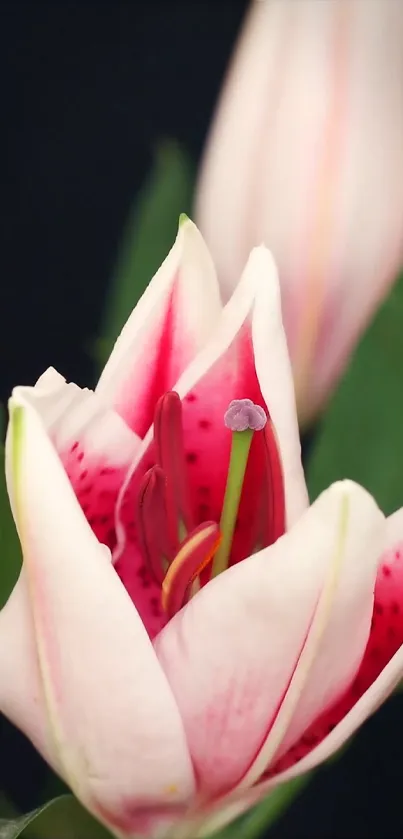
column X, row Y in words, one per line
column 21, row 691
column 246, row 357
column 334, row 728
column 274, row 639
column 114, row 722
column 171, row 322
column 385, row 640
column 329, row 74
column 366, row 705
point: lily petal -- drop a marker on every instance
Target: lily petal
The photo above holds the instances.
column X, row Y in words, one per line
column 88, row 633
column 93, row 443
column 274, row 639
column 358, row 710
column 385, row 640
column 330, row 73
column 21, row 693
column 171, row 322
column 246, row 357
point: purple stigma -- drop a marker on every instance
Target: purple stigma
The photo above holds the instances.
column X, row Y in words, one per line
column 242, row 414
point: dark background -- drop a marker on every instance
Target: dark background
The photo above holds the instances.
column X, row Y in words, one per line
column 87, row 91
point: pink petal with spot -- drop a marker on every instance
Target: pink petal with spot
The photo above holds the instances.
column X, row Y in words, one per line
column 234, row 656
column 234, row 364
column 93, row 443
column 246, row 358
column 171, row 322
column 96, row 449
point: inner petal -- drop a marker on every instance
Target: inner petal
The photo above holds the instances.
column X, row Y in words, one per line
column 97, row 482
column 208, row 441
column 207, row 444
column 130, row 563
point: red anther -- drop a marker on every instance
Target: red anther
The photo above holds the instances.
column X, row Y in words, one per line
column 152, row 522
column 168, row 437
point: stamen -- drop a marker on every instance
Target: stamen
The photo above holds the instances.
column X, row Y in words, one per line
column 168, row 437
column 152, row 522
column 243, row 418
column 195, row 552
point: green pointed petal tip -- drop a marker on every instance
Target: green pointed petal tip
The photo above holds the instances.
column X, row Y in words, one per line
column 183, row 218
column 17, row 429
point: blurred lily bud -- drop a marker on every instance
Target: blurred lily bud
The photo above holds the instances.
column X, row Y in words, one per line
column 306, row 155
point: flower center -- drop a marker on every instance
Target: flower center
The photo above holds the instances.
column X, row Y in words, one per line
column 177, row 552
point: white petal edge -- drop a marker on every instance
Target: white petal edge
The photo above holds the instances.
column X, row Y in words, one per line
column 275, row 376
column 199, row 298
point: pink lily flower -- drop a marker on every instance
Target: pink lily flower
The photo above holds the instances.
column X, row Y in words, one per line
column 305, row 155
column 186, row 631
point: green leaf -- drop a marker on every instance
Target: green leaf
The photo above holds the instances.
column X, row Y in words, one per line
column 257, row 821
column 361, row 435
column 62, row 818
column 10, row 551
column 149, row 234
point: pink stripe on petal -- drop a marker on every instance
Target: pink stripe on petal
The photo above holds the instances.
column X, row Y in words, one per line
column 171, row 322
column 162, row 361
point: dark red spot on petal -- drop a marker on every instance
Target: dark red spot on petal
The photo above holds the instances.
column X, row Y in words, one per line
column 205, row 424
column 190, row 397
column 203, row 512
column 191, row 457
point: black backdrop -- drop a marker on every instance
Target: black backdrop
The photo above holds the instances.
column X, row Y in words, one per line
column 87, row 90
